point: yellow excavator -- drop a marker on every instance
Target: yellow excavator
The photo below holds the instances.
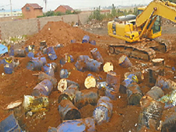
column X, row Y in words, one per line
column 141, row 32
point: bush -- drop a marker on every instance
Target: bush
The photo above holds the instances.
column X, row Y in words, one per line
column 49, row 13
column 59, row 13
column 96, row 15
column 68, row 12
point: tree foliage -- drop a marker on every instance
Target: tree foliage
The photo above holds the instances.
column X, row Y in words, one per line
column 52, row 13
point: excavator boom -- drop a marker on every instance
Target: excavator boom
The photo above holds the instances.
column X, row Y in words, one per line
column 164, row 9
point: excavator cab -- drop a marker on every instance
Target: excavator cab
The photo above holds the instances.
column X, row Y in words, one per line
column 156, row 28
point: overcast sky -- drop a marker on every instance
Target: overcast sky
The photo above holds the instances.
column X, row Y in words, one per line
column 76, row 4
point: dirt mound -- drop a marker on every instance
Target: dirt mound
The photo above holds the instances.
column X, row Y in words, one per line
column 59, row 33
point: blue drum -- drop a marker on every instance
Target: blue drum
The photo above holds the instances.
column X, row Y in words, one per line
column 51, row 53
column 79, row 125
column 43, row 88
column 103, row 111
column 85, row 39
column 10, row 124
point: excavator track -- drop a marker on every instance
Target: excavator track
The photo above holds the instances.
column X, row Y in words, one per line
column 142, row 53
column 165, row 45
column 144, row 50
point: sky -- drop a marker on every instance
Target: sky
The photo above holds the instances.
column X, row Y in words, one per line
column 75, row 4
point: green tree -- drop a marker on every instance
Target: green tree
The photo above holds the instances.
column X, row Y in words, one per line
column 96, row 15
column 125, row 12
column 114, row 13
column 59, row 13
column 49, row 13
column 130, row 11
column 68, row 12
column 135, row 11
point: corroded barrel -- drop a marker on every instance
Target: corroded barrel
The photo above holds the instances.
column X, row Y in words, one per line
column 103, row 111
column 134, row 94
column 68, row 111
column 96, row 55
column 43, row 88
column 69, row 93
column 85, row 97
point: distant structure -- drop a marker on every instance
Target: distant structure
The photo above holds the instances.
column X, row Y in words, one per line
column 32, row 10
column 8, row 13
column 63, row 8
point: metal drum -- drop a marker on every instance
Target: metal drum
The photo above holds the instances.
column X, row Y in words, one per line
column 164, row 83
column 51, row 53
column 42, row 59
column 93, row 42
column 43, row 88
column 90, row 81
column 8, row 68
column 93, row 65
column 151, row 113
column 111, row 93
column 103, row 111
column 43, row 76
column 139, row 76
column 52, row 129
column 155, row 93
column 58, row 46
column 131, row 78
column 11, row 50
column 85, row 39
column 81, row 63
column 68, row 111
column 36, row 63
column 69, row 93
column 64, row 73
column 101, row 88
column 48, row 69
column 96, row 55
column 53, row 65
column 169, row 120
column 19, row 53
column 63, row 84
column 84, row 63
column 44, row 50
column 73, row 41
column 113, row 80
column 78, row 125
column 108, row 66
column 30, row 54
column 85, row 97
column 10, row 124
column 134, row 94
column 124, row 62
column 66, row 59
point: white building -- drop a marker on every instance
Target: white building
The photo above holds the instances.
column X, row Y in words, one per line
column 8, row 13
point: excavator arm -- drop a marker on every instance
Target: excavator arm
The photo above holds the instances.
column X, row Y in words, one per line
column 157, row 7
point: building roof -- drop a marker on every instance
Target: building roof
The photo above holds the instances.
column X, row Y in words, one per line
column 34, row 5
column 67, row 7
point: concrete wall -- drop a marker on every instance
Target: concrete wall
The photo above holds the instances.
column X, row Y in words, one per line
column 32, row 26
